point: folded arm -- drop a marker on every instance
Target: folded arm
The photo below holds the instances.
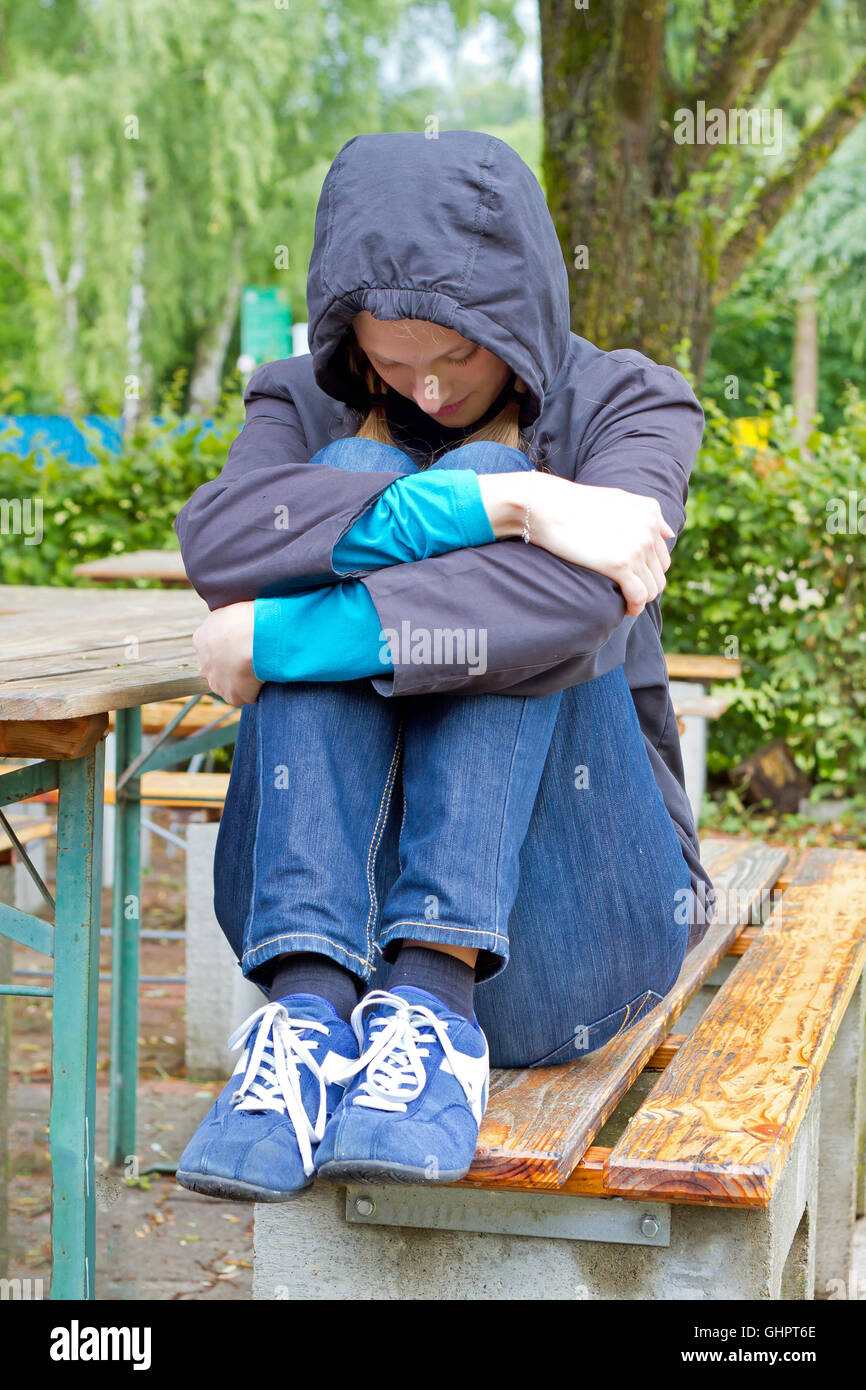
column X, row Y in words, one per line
column 547, row 623
column 545, row 620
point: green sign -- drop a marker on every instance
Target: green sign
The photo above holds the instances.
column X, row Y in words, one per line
column 266, row 324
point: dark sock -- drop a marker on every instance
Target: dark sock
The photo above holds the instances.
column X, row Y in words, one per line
column 450, row 979
column 306, row 972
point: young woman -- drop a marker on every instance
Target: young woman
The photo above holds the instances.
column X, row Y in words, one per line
column 434, row 560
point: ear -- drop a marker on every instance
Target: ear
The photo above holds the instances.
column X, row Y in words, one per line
column 520, row 385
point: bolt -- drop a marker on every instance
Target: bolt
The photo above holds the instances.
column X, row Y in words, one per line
column 649, row 1226
column 364, row 1207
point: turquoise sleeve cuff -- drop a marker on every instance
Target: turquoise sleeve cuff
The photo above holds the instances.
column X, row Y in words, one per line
column 417, row 517
column 329, row 634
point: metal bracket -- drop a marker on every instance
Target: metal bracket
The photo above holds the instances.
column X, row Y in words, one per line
column 617, row 1220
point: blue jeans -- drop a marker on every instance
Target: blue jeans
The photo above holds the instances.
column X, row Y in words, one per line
column 531, row 828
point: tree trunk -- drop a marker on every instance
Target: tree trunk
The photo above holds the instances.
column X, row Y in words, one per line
column 639, row 215
column 206, row 381
column 133, row 386
column 806, row 360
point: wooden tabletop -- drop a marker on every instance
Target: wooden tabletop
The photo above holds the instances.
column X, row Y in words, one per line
column 165, row 565
column 71, row 652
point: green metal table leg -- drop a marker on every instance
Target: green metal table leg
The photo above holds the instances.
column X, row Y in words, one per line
column 125, row 927
column 73, row 1026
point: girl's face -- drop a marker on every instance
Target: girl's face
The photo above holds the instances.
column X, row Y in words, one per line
column 446, row 375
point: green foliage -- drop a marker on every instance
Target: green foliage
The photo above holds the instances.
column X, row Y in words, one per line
column 760, row 573
column 121, row 503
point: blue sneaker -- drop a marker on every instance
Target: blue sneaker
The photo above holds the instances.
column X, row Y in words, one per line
column 256, row 1143
column 413, row 1110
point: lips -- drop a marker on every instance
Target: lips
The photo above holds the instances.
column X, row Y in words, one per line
column 451, row 409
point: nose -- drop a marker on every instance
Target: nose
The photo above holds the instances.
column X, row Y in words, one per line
column 428, row 395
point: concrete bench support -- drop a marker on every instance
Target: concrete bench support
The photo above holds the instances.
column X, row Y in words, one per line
column 306, row 1249
column 218, row 997
column 693, row 744
column 842, row 1124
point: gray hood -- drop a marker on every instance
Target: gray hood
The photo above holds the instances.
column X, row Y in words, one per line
column 453, row 230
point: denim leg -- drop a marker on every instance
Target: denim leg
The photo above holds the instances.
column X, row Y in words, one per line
column 364, row 456
column 471, row 769
column 305, row 840
column 596, row 932
column 596, row 935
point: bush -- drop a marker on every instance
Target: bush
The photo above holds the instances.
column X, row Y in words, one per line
column 122, row 503
column 768, row 568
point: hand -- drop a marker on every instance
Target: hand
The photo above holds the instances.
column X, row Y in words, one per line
column 224, row 647
column 616, row 533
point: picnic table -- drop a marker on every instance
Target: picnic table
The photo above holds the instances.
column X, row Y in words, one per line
column 69, row 657
column 164, row 565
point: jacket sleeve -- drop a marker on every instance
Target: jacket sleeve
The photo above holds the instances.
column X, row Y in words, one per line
column 543, row 623
column 332, row 633
column 268, row 524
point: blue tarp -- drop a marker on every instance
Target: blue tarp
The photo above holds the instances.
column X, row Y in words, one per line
column 58, row 434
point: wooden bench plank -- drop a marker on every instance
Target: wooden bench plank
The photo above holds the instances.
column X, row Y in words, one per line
column 540, row 1121
column 154, row 717
column 165, row 565
column 178, row 788
column 722, row 1118
column 28, row 829
column 702, row 706
column 683, row 667
column 170, row 789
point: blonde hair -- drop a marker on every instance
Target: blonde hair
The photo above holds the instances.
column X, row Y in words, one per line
column 504, row 428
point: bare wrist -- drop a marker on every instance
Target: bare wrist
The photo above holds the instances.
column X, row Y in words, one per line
column 506, row 497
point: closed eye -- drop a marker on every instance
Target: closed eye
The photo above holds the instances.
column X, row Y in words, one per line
column 453, row 361
column 461, row 361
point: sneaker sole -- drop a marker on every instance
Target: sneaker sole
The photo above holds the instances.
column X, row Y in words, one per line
column 233, row 1190
column 374, row 1170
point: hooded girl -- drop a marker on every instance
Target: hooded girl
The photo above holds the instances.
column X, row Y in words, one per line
column 456, row 830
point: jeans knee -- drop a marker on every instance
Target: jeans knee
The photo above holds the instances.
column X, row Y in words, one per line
column 485, row 456
column 363, row 456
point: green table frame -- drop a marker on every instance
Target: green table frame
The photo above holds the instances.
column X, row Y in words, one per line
column 73, row 944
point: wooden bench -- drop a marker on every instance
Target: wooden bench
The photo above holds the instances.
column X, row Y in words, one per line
column 723, row 1160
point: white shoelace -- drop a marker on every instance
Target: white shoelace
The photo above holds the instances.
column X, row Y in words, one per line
column 271, row 1079
column 393, row 1059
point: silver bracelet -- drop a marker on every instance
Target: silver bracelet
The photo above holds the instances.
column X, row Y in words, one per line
column 526, row 520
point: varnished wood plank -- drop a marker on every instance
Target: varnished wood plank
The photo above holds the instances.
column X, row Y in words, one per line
column 665, row 1052
column 722, row 1118
column 540, row 1121
column 743, row 941
column 701, row 668
column 57, row 738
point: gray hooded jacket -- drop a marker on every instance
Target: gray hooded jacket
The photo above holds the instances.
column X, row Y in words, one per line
column 456, row 231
